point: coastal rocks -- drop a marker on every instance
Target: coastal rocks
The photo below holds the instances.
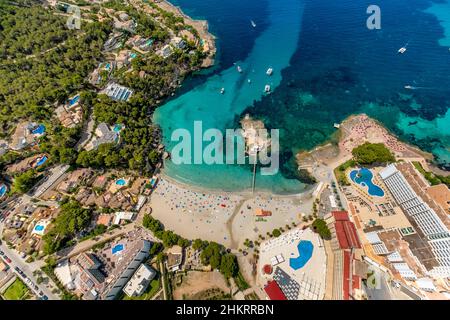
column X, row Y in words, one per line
column 255, row 135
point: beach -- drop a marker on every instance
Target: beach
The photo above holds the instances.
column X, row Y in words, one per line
column 353, row 132
column 224, row 217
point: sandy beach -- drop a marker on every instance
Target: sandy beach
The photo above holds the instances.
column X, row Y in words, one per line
column 225, row 217
column 354, row 131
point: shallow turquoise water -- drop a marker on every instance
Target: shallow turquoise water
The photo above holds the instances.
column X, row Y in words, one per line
column 327, row 66
column 442, row 12
column 273, row 48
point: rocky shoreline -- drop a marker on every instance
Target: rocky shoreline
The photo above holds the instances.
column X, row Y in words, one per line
column 201, row 26
column 354, row 131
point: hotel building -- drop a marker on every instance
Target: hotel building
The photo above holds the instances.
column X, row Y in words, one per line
column 422, row 216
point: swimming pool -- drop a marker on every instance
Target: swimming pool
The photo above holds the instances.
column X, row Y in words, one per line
column 117, row 127
column 74, row 100
column 117, row 248
column 364, row 177
column 2, row 190
column 39, row 130
column 305, row 250
column 41, row 161
column 121, row 182
column 39, row 228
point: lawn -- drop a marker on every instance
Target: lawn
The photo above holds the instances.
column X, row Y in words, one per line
column 340, row 174
column 152, row 289
column 17, row 291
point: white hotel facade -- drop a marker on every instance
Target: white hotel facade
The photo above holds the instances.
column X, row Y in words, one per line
column 437, row 234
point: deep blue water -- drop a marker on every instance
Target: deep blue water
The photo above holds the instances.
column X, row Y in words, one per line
column 327, row 66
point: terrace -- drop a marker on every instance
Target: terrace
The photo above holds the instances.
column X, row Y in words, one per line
column 302, row 264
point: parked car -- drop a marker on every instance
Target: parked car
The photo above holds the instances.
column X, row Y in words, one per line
column 2, row 253
column 41, row 293
column 8, row 260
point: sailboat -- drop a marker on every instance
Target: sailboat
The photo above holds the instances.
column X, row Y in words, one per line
column 403, row 49
column 253, row 23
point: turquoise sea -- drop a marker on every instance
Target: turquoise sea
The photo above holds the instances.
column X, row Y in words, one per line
column 327, row 65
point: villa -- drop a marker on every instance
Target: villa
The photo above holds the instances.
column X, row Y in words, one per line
column 3, row 147
column 74, row 179
column 102, row 73
column 123, row 58
column 165, row 51
column 140, row 44
column 123, row 216
column 117, row 92
column 178, row 43
column 103, row 134
column 104, row 219
column 125, row 23
column 86, row 197
column 188, row 36
column 26, row 134
column 69, row 118
column 114, row 42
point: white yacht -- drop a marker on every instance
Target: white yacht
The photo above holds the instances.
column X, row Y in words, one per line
column 222, row 91
column 269, row 71
column 267, row 88
column 253, row 23
column 402, row 50
column 239, row 69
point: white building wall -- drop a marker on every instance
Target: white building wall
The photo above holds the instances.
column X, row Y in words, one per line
column 430, row 224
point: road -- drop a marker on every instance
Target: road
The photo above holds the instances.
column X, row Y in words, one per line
column 385, row 289
column 16, row 261
column 55, row 173
column 86, row 132
column 87, row 244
